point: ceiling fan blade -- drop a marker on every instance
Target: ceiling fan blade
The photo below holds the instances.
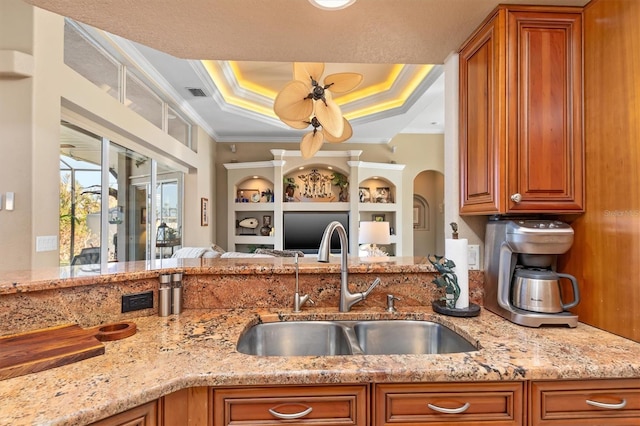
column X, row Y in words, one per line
column 311, row 143
column 292, row 103
column 346, row 133
column 296, row 124
column 343, row 82
column 303, row 70
column 330, row 117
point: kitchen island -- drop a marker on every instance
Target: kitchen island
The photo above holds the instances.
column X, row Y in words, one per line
column 198, row 349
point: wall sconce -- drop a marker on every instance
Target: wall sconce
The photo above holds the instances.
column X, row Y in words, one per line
column 393, row 149
column 232, row 147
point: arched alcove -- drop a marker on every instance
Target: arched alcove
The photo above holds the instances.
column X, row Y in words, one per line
column 428, row 213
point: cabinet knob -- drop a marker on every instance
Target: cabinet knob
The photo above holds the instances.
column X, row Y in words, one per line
column 516, row 198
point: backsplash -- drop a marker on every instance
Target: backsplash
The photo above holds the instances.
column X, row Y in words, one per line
column 91, row 305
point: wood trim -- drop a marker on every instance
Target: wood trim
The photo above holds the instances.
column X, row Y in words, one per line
column 481, row 126
column 143, row 415
column 186, row 407
column 607, row 237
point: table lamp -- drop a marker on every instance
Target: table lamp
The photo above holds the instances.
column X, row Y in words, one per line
column 373, row 233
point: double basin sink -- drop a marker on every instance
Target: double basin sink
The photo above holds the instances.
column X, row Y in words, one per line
column 375, row 337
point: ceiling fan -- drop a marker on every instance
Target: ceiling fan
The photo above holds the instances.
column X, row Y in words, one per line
column 306, row 101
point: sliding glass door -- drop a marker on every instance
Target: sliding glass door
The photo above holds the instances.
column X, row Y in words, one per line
column 122, row 222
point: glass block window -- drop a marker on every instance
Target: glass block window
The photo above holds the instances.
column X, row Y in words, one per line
column 90, row 61
column 178, row 127
column 143, row 101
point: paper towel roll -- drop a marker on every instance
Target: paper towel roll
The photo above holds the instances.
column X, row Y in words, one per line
column 456, row 250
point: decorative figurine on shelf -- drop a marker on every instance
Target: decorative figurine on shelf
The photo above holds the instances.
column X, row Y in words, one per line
column 447, row 279
column 265, row 231
column 247, row 225
column 290, row 186
column 241, row 198
column 268, row 195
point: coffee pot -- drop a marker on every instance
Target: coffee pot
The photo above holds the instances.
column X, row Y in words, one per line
column 538, row 290
column 522, row 283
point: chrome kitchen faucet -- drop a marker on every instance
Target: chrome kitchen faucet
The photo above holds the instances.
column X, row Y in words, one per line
column 347, row 299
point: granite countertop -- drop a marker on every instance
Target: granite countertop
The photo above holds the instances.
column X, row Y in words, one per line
column 12, row 282
column 197, row 348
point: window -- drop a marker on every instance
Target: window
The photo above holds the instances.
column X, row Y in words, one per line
column 90, row 61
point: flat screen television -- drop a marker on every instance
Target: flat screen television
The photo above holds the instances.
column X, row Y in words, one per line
column 303, row 230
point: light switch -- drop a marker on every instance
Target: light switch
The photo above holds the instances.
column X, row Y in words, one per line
column 0, row 201
column 9, row 201
column 473, row 259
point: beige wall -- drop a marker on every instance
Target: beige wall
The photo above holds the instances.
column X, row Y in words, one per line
column 29, row 127
column 417, row 152
column 30, row 113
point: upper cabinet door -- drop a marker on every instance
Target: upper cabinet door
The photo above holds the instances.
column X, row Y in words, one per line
column 545, row 142
column 482, row 111
column 521, row 143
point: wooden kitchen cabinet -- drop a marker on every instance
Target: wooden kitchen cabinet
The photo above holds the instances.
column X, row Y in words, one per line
column 291, row 405
column 143, row 415
column 521, row 142
column 186, row 407
column 491, row 403
column 585, row 402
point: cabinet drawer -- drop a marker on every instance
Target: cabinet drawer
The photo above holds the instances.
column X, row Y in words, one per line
column 479, row 404
column 317, row 405
column 574, row 402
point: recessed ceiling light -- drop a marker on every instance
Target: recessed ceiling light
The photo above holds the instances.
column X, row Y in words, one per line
column 329, row 167
column 301, row 168
column 332, row 4
column 255, row 177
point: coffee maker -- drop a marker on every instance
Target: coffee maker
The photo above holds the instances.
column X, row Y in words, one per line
column 521, row 282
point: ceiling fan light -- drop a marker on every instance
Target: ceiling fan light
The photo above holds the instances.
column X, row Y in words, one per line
column 332, row 4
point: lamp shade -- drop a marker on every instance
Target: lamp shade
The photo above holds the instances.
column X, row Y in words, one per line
column 374, row 233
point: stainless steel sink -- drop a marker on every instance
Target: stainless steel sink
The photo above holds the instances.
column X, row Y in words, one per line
column 295, row 339
column 380, row 337
column 408, row 337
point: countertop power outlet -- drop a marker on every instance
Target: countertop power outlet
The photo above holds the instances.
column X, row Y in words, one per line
column 137, row 301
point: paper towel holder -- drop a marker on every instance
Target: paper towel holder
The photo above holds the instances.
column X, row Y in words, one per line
column 454, row 230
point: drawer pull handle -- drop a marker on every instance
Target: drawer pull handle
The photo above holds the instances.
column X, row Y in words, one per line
column 292, row 416
column 459, row 410
column 608, row 406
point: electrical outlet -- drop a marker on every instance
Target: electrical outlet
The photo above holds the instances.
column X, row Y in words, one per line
column 137, row 301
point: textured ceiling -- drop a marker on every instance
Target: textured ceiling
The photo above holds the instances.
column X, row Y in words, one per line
column 261, row 33
column 370, row 31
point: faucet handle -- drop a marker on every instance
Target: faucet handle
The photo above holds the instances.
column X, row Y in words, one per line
column 390, row 304
column 299, row 301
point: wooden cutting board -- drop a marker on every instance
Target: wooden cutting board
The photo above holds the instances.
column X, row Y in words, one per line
column 40, row 350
